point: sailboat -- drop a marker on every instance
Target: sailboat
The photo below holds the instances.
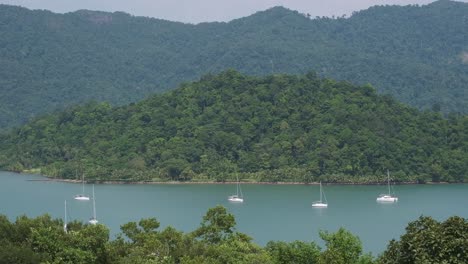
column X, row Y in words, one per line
column 238, row 197
column 321, row 203
column 93, row 219
column 66, row 220
column 82, row 196
column 387, row 198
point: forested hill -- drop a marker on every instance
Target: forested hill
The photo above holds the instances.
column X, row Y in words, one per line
column 49, row 61
column 273, row 128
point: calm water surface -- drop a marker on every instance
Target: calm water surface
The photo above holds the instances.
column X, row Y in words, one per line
column 269, row 212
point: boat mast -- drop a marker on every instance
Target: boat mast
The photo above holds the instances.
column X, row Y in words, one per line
column 237, row 185
column 320, row 191
column 388, row 181
column 240, row 189
column 82, row 183
column 94, row 204
column 66, row 220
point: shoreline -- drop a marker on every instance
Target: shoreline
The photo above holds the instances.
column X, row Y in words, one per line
column 233, row 182
column 46, row 179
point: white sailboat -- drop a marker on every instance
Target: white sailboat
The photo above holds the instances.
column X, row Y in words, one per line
column 387, row 198
column 321, row 203
column 82, row 196
column 238, row 197
column 93, row 219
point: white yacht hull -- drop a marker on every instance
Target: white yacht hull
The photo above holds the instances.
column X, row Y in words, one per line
column 236, row 199
column 319, row 205
column 387, row 199
column 81, row 198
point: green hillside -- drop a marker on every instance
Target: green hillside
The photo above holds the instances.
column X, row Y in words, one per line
column 274, row 128
column 419, row 54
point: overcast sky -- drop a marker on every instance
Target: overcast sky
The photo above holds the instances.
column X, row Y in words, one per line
column 195, row 11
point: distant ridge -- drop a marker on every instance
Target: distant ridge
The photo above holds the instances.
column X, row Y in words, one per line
column 51, row 61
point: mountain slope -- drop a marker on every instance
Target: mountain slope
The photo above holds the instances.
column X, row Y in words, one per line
column 274, row 128
column 50, row 61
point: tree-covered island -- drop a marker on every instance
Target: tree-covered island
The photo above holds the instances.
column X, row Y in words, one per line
column 278, row 128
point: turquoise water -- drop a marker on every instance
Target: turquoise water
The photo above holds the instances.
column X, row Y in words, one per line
column 269, row 212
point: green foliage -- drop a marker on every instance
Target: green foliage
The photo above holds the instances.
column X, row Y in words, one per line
column 51, row 61
column 42, row 240
column 147, row 244
column 429, row 241
column 10, row 253
column 277, row 128
column 342, row 248
column 217, row 225
column 297, row 252
column 214, row 242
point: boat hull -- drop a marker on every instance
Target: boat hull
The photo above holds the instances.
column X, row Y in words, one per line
column 387, row 199
column 81, row 198
column 319, row 205
column 235, row 199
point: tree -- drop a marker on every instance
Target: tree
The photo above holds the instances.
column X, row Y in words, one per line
column 429, row 241
column 342, row 247
column 217, row 225
column 10, row 253
column 297, row 252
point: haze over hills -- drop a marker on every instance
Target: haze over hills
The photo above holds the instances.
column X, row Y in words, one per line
column 273, row 128
column 49, row 61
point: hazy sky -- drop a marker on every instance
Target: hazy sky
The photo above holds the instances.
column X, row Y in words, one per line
column 195, row 11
